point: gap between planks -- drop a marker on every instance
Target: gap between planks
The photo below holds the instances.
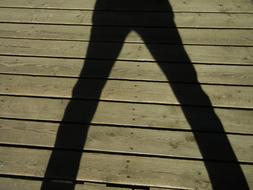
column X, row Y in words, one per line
column 77, row 17
column 126, row 114
column 178, row 144
column 177, row 6
column 127, row 91
column 119, row 169
column 82, row 33
column 28, row 184
column 127, row 70
column 130, row 51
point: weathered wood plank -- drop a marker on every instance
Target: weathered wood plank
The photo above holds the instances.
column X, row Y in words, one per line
column 129, row 91
column 145, row 115
column 195, row 5
column 164, row 52
column 188, row 36
column 121, row 139
column 159, row 188
column 161, row 172
column 15, row 184
column 78, row 17
column 213, row 74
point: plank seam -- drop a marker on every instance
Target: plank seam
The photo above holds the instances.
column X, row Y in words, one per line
column 79, row 182
column 116, row 42
column 131, row 11
column 127, row 26
column 129, row 80
column 132, row 154
column 136, row 61
column 127, row 42
column 126, row 101
column 131, row 60
column 127, row 126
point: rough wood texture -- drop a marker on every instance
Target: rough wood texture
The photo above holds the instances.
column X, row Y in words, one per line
column 159, row 188
column 188, row 36
column 77, row 17
column 161, row 172
column 14, row 184
column 141, row 134
column 170, row 53
column 119, row 139
column 127, row 91
column 189, row 6
column 213, row 74
column 145, row 115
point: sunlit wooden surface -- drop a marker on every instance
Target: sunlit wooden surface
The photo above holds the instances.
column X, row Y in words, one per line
column 138, row 137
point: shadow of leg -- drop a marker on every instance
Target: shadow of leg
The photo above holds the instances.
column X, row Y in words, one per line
column 64, row 164
column 222, row 175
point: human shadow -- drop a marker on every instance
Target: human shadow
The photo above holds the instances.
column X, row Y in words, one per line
column 64, row 164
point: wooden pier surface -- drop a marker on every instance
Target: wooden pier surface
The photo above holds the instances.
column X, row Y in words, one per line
column 119, row 95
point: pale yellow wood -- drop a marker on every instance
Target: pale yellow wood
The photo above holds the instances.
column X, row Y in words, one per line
column 145, row 115
column 130, row 91
column 162, row 172
column 213, row 74
column 74, row 49
column 201, row 20
column 120, row 139
column 159, row 188
column 114, row 168
column 188, row 36
column 195, row 5
column 16, row 184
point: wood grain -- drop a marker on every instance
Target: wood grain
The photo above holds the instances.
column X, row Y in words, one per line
column 82, row 33
column 118, row 169
column 14, row 184
column 139, row 134
column 128, row 91
column 128, row 140
column 79, row 17
column 148, row 71
column 169, row 53
column 189, row 6
column 115, row 113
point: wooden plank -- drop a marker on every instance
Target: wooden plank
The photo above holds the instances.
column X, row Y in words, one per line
column 114, row 113
column 129, row 140
column 78, row 17
column 195, row 5
column 164, row 52
column 159, row 188
column 15, row 183
column 213, row 74
column 188, row 36
column 119, row 169
column 129, row 91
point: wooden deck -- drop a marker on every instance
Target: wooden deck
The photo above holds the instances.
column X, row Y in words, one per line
column 126, row 95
